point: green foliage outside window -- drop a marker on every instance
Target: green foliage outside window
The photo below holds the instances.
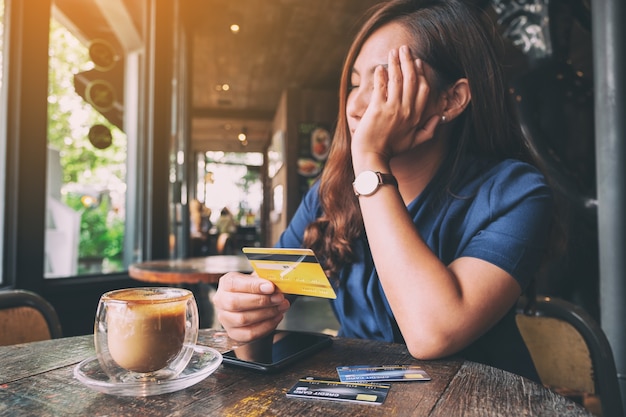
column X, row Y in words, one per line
column 84, row 166
column 101, row 235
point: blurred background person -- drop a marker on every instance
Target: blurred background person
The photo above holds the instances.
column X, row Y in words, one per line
column 226, row 228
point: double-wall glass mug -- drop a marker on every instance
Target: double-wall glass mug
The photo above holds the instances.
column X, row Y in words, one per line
column 146, row 334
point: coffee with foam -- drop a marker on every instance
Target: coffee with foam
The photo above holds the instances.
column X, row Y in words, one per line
column 144, row 337
column 145, row 330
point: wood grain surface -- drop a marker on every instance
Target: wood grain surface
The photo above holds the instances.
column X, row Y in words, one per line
column 37, row 379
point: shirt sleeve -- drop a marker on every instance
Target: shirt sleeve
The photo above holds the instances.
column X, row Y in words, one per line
column 512, row 216
column 307, row 212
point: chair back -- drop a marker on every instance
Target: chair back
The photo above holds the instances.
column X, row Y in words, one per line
column 571, row 352
column 26, row 317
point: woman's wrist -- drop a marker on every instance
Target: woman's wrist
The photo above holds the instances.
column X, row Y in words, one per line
column 370, row 161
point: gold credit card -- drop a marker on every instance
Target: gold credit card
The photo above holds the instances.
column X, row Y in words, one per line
column 293, row 271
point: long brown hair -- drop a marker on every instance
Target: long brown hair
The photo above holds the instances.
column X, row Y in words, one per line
column 456, row 40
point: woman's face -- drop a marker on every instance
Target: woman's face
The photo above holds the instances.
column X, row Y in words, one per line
column 375, row 52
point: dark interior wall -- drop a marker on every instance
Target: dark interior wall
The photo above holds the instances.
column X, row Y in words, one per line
column 299, row 110
column 304, row 107
column 76, row 301
column 548, row 56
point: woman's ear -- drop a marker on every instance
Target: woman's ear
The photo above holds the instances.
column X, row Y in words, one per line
column 457, row 98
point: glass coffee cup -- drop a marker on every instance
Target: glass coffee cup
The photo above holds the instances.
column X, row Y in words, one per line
column 145, row 334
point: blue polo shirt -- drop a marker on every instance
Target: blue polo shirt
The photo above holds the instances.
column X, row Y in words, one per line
column 499, row 212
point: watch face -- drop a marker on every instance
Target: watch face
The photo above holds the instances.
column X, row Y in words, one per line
column 366, row 183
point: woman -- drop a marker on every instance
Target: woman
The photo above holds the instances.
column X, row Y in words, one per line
column 435, row 251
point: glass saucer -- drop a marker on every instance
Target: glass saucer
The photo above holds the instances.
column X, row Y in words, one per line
column 204, row 362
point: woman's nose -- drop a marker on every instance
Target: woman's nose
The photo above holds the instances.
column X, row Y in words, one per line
column 357, row 104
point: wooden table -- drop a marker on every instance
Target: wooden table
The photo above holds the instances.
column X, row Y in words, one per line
column 36, row 379
column 206, row 269
column 192, row 272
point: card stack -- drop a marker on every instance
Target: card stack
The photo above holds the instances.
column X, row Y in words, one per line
column 365, row 384
column 318, row 388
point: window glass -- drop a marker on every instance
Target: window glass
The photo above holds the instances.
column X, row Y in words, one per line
column 86, row 188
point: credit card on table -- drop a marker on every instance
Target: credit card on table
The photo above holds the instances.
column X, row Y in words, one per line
column 323, row 389
column 382, row 373
column 293, row 271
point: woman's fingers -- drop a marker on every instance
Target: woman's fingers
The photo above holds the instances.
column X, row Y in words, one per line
column 249, row 324
column 240, row 292
column 395, row 77
column 427, row 131
column 410, row 80
column 248, row 318
column 394, row 119
column 252, row 332
column 237, row 282
column 406, row 84
column 407, row 87
column 248, row 306
column 423, row 90
column 381, row 87
column 241, row 302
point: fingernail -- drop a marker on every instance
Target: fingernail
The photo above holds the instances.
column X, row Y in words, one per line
column 276, row 298
column 267, row 288
column 283, row 307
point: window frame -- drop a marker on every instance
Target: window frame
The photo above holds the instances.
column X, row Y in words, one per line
column 23, row 145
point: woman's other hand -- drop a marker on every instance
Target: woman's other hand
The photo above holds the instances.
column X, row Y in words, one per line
column 399, row 115
column 248, row 307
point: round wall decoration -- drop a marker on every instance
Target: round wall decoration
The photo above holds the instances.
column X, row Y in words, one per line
column 100, row 136
column 102, row 54
column 100, row 95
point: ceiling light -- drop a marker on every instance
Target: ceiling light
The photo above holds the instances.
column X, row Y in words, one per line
column 243, row 135
column 234, row 28
column 225, row 87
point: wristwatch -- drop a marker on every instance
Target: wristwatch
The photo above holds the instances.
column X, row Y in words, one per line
column 368, row 182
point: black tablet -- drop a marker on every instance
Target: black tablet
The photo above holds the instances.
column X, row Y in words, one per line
column 277, row 351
